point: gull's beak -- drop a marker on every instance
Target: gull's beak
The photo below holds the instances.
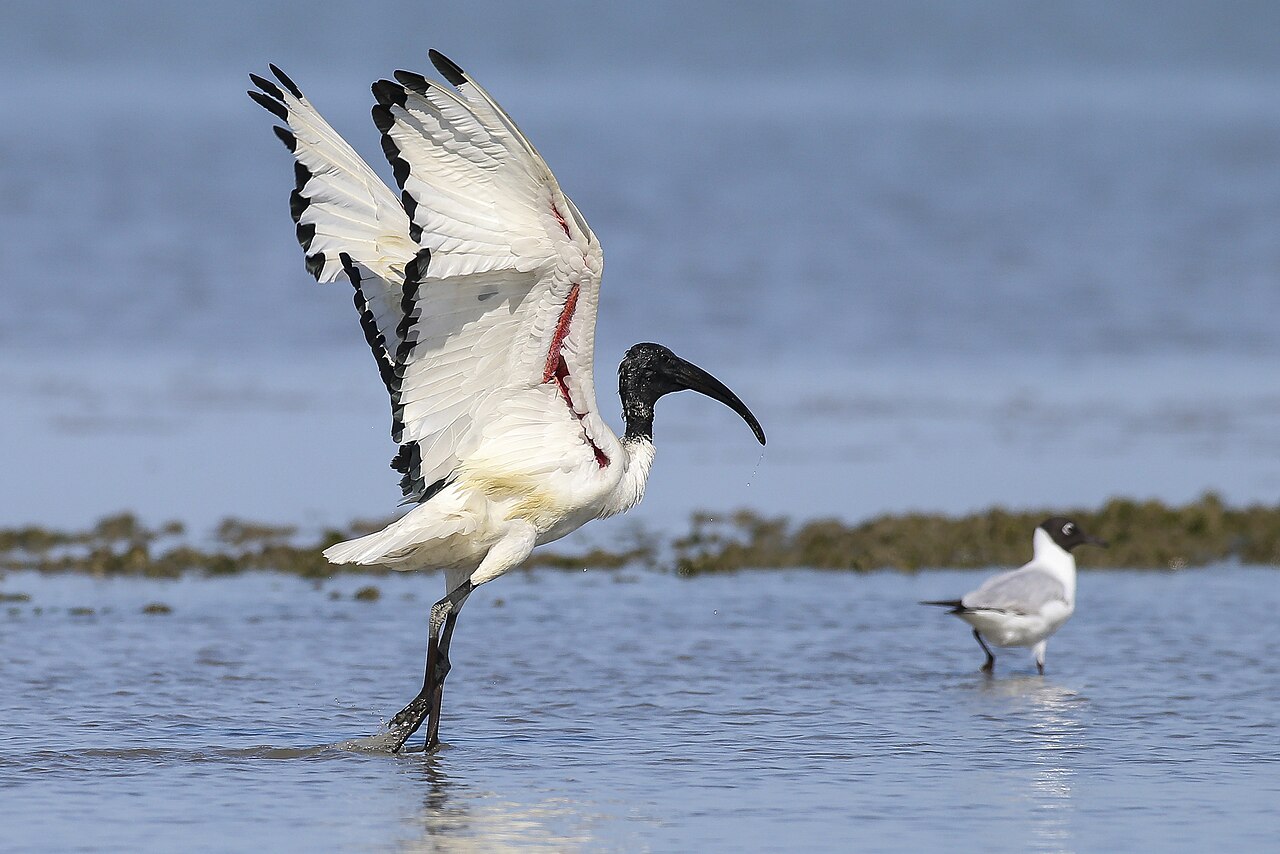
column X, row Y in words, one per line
column 688, row 375
column 1095, row 541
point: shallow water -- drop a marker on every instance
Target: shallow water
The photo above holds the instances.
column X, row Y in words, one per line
column 638, row 711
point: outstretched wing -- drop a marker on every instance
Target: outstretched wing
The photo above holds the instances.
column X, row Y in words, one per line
column 340, row 206
column 1022, row 591
column 482, row 278
column 513, row 276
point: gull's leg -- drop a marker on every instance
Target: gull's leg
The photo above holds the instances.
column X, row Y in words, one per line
column 990, row 664
column 1038, row 651
column 408, row 719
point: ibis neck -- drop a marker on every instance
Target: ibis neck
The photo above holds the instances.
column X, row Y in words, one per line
column 637, row 458
column 639, row 418
column 638, row 393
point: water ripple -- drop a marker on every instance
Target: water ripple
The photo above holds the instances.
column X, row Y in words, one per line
column 640, row 723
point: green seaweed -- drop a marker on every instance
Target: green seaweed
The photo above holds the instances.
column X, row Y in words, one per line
column 1143, row 535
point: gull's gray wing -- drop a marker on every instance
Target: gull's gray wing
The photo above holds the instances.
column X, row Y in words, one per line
column 1023, row 591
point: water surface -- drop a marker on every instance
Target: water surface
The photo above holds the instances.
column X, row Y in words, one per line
column 592, row 711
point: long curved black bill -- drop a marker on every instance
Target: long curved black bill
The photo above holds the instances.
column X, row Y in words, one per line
column 690, row 376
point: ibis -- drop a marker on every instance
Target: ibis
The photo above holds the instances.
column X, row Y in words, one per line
column 476, row 289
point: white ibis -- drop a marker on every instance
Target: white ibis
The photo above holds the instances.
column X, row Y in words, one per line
column 1024, row 606
column 477, row 291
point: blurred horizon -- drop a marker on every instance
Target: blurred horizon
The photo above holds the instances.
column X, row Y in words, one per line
column 919, row 35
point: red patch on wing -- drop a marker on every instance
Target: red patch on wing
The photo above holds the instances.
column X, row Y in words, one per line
column 601, row 459
column 557, row 369
column 554, row 357
column 560, row 219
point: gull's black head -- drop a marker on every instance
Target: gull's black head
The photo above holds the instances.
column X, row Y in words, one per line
column 1067, row 534
column 648, row 371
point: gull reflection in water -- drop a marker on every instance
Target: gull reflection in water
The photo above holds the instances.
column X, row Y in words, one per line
column 458, row 817
column 1054, row 739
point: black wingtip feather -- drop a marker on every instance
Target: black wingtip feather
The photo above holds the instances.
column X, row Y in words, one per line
column 388, row 93
column 286, row 136
column 315, row 265
column 409, row 308
column 297, row 204
column 410, row 205
column 413, row 80
column 399, row 166
column 372, row 335
column 447, row 67
column 382, row 118
column 284, row 78
column 267, row 86
column 417, row 266
column 281, row 112
column 306, row 232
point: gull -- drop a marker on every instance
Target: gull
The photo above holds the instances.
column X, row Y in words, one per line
column 476, row 289
column 1025, row 606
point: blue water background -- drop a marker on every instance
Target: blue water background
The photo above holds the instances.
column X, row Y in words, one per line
column 952, row 255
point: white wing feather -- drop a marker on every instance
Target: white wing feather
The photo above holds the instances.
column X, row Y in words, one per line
column 507, row 253
column 463, row 282
column 340, row 205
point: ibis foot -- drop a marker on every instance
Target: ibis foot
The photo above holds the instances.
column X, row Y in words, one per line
column 426, row 706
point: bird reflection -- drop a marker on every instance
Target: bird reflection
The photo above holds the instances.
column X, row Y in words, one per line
column 458, row 817
column 1054, row 739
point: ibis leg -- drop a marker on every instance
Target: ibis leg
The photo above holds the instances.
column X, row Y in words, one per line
column 442, row 670
column 990, row 664
column 409, row 719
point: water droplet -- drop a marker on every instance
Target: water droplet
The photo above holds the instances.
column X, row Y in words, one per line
column 755, row 471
